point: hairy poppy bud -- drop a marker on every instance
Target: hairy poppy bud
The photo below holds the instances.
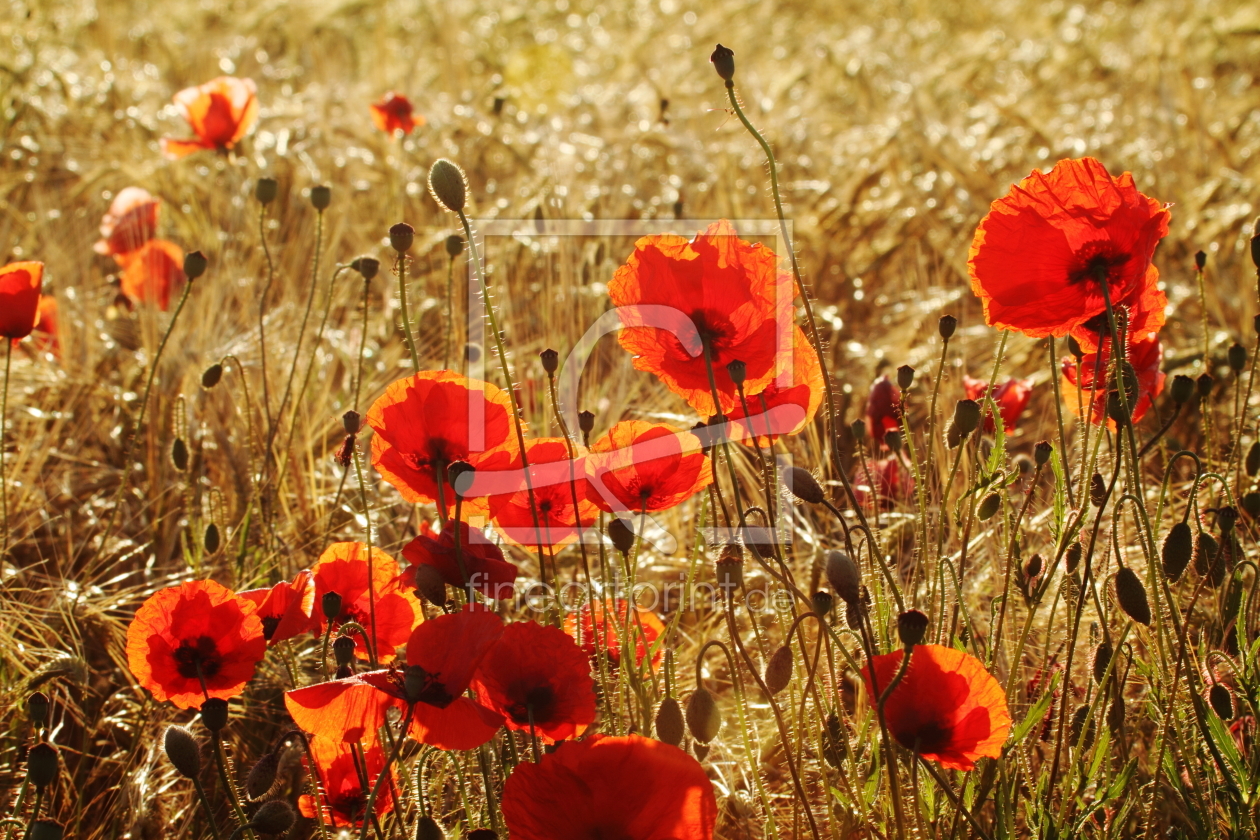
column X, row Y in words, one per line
column 179, row 455
column 366, row 266
column 351, row 421
column 703, row 718
column 212, row 539
column 738, row 371
column 723, row 59
column 321, row 197
column 1041, row 453
column 1253, row 459
column 460, row 475
column 550, row 360
column 730, row 569
column 330, row 603
column 1182, row 388
column 586, row 421
column 1072, row 557
column 262, row 776
column 988, row 506
column 38, row 707
column 911, row 626
column 892, row 439
column 844, row 576
column 343, row 649
column 1221, row 701
column 42, row 764
column 427, row 828
column 832, row 738
column 1102, row 659
column 1206, row 562
column 194, row 265
column 1204, row 385
column 1117, row 411
column 265, row 190
column 214, row 714
column 401, row 237
column 905, row 377
column 1251, row 504
column 853, row 615
column 779, row 670
column 46, row 830
column 621, row 535
column 274, row 817
column 1237, row 355
column 802, row 484
column 1034, row 566
column 430, row 584
column 823, row 603
column 454, row 246
column 1200, row 260
column 858, row 427
column 447, row 184
column 966, row 417
column 1097, row 489
column 946, row 326
column 669, row 722
column 1132, row 596
column 212, row 375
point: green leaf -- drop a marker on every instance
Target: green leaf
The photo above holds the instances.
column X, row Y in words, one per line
column 1037, row 713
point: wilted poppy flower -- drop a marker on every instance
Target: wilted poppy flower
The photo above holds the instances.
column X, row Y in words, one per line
column 554, row 478
column 220, row 113
column 488, row 572
column 132, row 220
column 286, row 609
column 151, row 273
column 1144, row 356
column 393, row 113
column 343, row 568
column 426, row 422
column 44, row 335
column 604, row 621
column 640, row 466
column 538, row 677
column 677, row 297
column 890, row 480
column 20, row 284
column 883, row 410
column 607, row 786
column 946, row 708
column 442, row 655
column 1011, row 397
column 1040, row 256
column 787, row 404
column 197, row 634
column 341, row 788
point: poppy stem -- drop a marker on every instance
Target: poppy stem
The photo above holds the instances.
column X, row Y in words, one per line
column 229, row 789
column 1010, row 563
column 450, row 314
column 533, row 734
column 297, row 350
column 1058, row 416
column 262, row 313
column 406, row 316
column 209, row 809
column 943, row 784
column 369, row 809
column 367, row 529
column 4, row 416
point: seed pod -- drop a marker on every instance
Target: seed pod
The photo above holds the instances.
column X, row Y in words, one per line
column 858, row 428
column 1251, row 504
column 265, row 190
column 262, row 776
column 214, row 714
column 703, row 718
column 454, row 246
column 669, row 722
column 1255, row 246
column 946, row 326
column 343, row 649
column 194, row 265
column 723, row 59
column 42, row 764
column 823, row 603
column 321, row 197
column 46, row 830
column 1226, row 519
column 430, row 584
column 1200, row 260
column 1072, row 558
column 844, row 576
column 330, row 603
column 274, row 817
column 905, row 377
column 448, row 185
column 401, row 237
column 911, row 627
column 779, row 670
column 1079, row 720
column 550, row 360
column 1222, row 701
column 1132, row 596
column 738, row 372
column 966, row 417
column 1204, row 385
column 182, row 751
column 1102, row 659
column 892, row 439
column 367, row 267
column 38, row 707
column 586, row 421
column 832, row 740
column 1182, row 388
column 1253, row 459
column 729, row 569
column 989, row 505
column 1237, row 355
column 1115, row 714
column 802, row 484
column 352, row 421
column 179, row 455
column 427, row 828
column 212, row 375
column 621, row 535
column 212, row 538
column 1097, row 490
column 1177, row 550
column 460, row 475
column 1041, row 453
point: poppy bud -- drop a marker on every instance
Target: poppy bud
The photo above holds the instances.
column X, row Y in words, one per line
column 212, row 540
column 46, row 830
column 669, row 722
column 1102, row 659
column 274, row 817
column 779, row 670
column 194, row 265
column 1255, row 325
column 586, row 421
column 823, row 603
column 703, row 718
column 430, row 585
column 1072, row 558
column 401, row 237
column 366, row 266
column 844, row 576
column 42, row 764
column 1115, row 715
column 265, row 190
column 1221, row 701
column 1132, row 596
column 214, row 714
column 1034, row 566
column 1200, row 260
column 802, row 484
column 911, row 625
column 1251, row 504
column 460, row 475
column 723, row 59
column 1204, row 385
column 621, row 535
column 351, row 421
column 37, row 707
column 321, row 197
column 182, row 751
column 966, row 417
column 892, row 439
column 343, row 649
column 730, row 568
column 738, row 371
column 1079, row 718
column 262, row 776
column 454, row 246
column 988, row 506
column 1097, row 490
column 330, row 603
column 946, row 326
column 831, row 740
column 427, row 828
column 1182, row 388
column 1205, row 560
column 1041, row 453
column 212, row 375
column 1255, row 244
column 447, row 184
column 1237, row 355
column 1253, row 459
column 1227, row 518
column 550, row 360
column 179, row 455
column 1117, row 411
column 858, row 427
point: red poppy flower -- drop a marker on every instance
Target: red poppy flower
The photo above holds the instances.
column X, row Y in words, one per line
column 220, row 113
column 946, row 708
column 676, row 297
column 608, row 786
column 152, row 272
column 1039, row 257
column 199, row 632
column 890, row 480
column 343, row 568
column 44, row 335
column 426, row 422
column 787, row 405
column 488, row 572
column 287, row 609
column 1141, row 316
column 393, row 113
column 640, row 466
column 554, row 477
column 1144, row 356
column 645, row 629
column 341, row 787
column 442, row 656
column 538, row 677
column 1011, row 397
column 20, row 285
column 883, row 410
column 132, row 220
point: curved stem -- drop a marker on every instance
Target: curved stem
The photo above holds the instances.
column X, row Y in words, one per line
column 4, row 416
column 262, row 312
column 406, row 315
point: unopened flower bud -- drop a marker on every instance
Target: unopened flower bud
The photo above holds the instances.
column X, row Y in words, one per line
column 905, row 377
column 911, row 627
column 1072, row 557
column 46, row 830
column 352, row 421
column 1102, row 659
column 1251, row 504
column 330, row 603
column 212, row 375
column 179, row 454
column 262, row 776
column 343, row 649
column 1200, row 260
column 366, row 266
column 212, row 539
column 1132, row 596
column 1041, row 453
column 214, row 714
column 1221, row 701
column 550, row 360
column 1204, row 385
column 1253, row 459
column 858, row 427
column 1255, row 244
column 454, row 245
column 38, row 707
column 321, row 197
column 1237, row 357
column 447, row 184
column 427, row 828
column 42, row 764
column 1182, row 388
column 194, row 265
column 844, row 576
column 966, row 420
column 274, row 817
column 401, row 237
column 946, row 326
column 723, row 59
column 1097, row 489
column 586, row 421
column 622, row 536
column 265, row 190
column 779, row 670
column 988, row 506
column 1034, row 566
column 892, row 439
column 703, row 718
column 669, row 722
column 729, row 569
column 802, row 484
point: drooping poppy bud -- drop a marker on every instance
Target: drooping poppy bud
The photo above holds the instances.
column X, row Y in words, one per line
column 966, row 420
column 989, row 505
column 182, row 751
column 723, row 59
column 42, row 764
column 1255, row 246
column 1034, row 566
column 703, row 718
column 1253, row 459
column 401, row 237
column 911, row 627
column 946, row 326
column 212, row 538
column 1072, row 558
column 1097, row 489
column 265, row 190
column 262, row 776
column 1115, row 714
column 844, row 576
column 1251, row 504
column 427, row 828
column 274, row 817
column 1182, row 388
column 214, row 714
column 194, row 265
column 779, row 670
column 321, row 197
column 212, row 375
column 46, row 830
column 1102, row 659
column 448, row 185
column 179, row 455
column 1221, row 701
column 1132, row 596
column 430, row 584
column 802, row 484
column 669, row 722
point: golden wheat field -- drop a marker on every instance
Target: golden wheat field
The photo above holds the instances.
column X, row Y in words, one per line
column 437, row 420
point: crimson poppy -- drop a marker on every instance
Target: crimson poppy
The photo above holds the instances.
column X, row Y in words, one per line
column 20, row 284
column 883, row 410
column 606, row 786
column 1041, row 255
column 442, row 656
column 132, row 220
column 610, row 615
column 1011, row 397
column 1144, row 356
column 220, row 112
column 554, row 478
column 639, row 466
column 426, row 422
column 341, row 788
column 394, row 113
column 538, row 679
column 343, row 568
column 1140, row 316
column 152, row 272
column 889, row 480
column 677, row 297
column 787, row 404
column 287, row 609
column 946, row 708
column 483, row 562
column 193, row 641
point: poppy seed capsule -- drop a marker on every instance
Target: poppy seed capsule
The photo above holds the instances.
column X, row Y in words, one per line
column 823, row 603
column 621, row 535
column 212, row 375
column 41, row 764
column 37, row 707
column 46, row 830
column 1204, row 385
column 946, row 326
column 401, row 237
column 1237, row 355
column 1200, row 260
column 366, row 266
column 1227, row 518
column 723, row 59
column 352, row 421
column 321, row 197
column 779, row 670
column 738, row 372
column 330, row 603
column 265, row 190
column 454, row 246
column 1182, row 388
column 1042, row 452
column 892, row 439
column 905, row 377
column 428, row 829
column 966, row 419
column 669, row 722
column 212, row 540
column 703, row 718
column 179, row 455
column 343, row 649
column 447, row 184
column 858, row 427
column 730, row 568
column 1255, row 325
column 844, row 576
column 194, row 265
column 274, row 817
column 214, row 714
column 1221, row 701
column 262, row 776
column 802, row 484
column 1102, row 659
column 988, row 506
column 586, row 421
column 550, row 360
column 911, row 626
column 1132, row 596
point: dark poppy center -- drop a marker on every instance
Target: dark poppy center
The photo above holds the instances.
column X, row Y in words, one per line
column 930, row 737
column 434, row 458
column 538, row 701
column 1098, row 263
column 270, row 623
column 199, row 656
column 713, row 327
column 419, row 686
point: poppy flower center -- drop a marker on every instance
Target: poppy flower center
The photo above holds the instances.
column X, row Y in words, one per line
column 440, row 453
column 1098, row 262
column 419, row 686
column 713, row 327
column 270, row 623
column 538, row 701
column 931, row 737
column 197, row 657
